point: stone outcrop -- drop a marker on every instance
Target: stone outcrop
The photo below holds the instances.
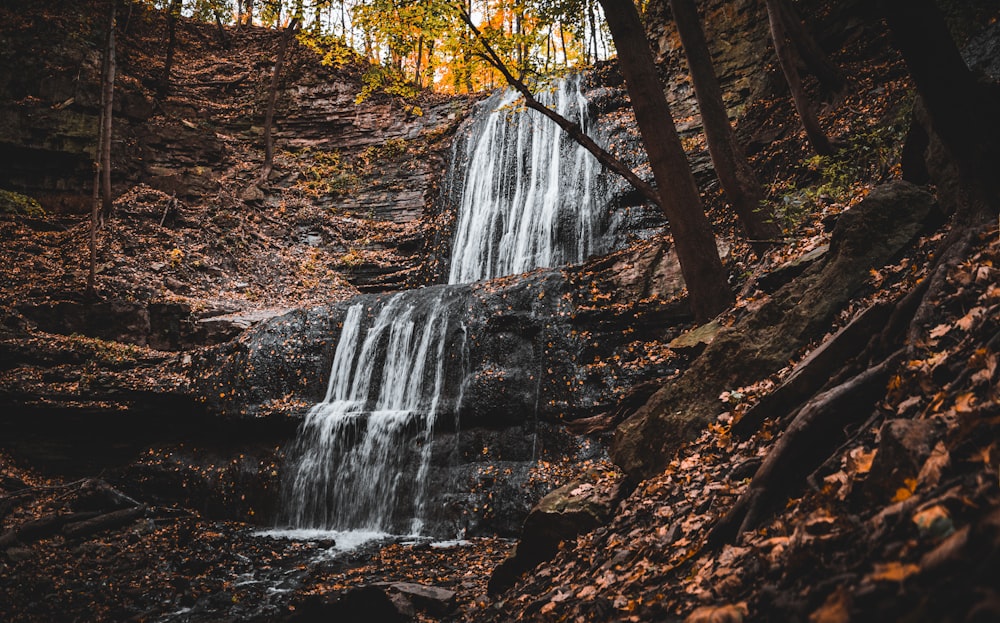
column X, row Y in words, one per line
column 573, row 509
column 865, row 237
column 524, row 355
column 531, row 341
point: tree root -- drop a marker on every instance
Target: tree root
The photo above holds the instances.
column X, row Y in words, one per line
column 952, row 250
column 814, row 372
column 819, row 421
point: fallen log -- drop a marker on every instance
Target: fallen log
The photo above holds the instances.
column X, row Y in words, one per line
column 106, row 521
column 41, row 528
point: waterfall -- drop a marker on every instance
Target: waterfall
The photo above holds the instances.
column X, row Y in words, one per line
column 353, row 465
column 528, row 199
column 529, row 196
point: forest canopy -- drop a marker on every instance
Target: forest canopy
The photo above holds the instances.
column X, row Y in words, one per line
column 426, row 43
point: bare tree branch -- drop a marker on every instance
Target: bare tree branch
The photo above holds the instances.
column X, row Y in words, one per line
column 572, row 129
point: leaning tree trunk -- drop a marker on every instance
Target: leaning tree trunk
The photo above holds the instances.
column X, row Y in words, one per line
column 737, row 178
column 697, row 252
column 573, row 130
column 789, row 66
column 813, row 56
column 173, row 12
column 272, row 99
column 102, row 164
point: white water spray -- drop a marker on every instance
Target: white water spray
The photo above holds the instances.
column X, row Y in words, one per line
column 528, row 197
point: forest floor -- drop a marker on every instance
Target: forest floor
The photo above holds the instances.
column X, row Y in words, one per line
column 900, row 522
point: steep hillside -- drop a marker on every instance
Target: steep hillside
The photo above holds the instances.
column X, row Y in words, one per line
column 824, row 451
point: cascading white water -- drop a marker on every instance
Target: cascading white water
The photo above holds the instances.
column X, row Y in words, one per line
column 529, row 197
column 350, row 468
column 527, row 200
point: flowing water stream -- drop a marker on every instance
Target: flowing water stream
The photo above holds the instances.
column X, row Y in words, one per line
column 528, row 197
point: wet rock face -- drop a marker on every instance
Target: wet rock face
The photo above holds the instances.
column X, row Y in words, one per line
column 519, row 348
column 521, row 357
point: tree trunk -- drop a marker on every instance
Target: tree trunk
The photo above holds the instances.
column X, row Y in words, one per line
column 963, row 111
column 813, row 56
column 272, row 99
column 420, row 54
column 173, row 12
column 593, row 30
column 548, row 49
column 562, row 41
column 695, row 243
column 737, row 178
column 221, row 31
column 788, row 62
column 430, row 63
column 102, row 164
column 107, row 100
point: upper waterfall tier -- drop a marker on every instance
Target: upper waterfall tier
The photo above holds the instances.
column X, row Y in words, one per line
column 528, row 195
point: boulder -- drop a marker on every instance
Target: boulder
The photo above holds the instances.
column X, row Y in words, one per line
column 357, row 605
column 573, row 509
column 791, row 269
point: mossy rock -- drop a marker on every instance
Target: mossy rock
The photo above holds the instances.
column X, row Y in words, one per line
column 19, row 205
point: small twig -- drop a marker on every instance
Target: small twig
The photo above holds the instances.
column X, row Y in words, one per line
column 170, row 204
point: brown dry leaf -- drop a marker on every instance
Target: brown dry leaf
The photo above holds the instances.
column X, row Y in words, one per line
column 940, row 331
column 985, row 375
column 587, row 592
column 859, row 460
column 963, row 404
column 965, row 322
column 904, row 492
column 730, row 613
column 836, row 608
column 892, row 572
column 983, row 454
column 930, row 473
column 561, row 596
